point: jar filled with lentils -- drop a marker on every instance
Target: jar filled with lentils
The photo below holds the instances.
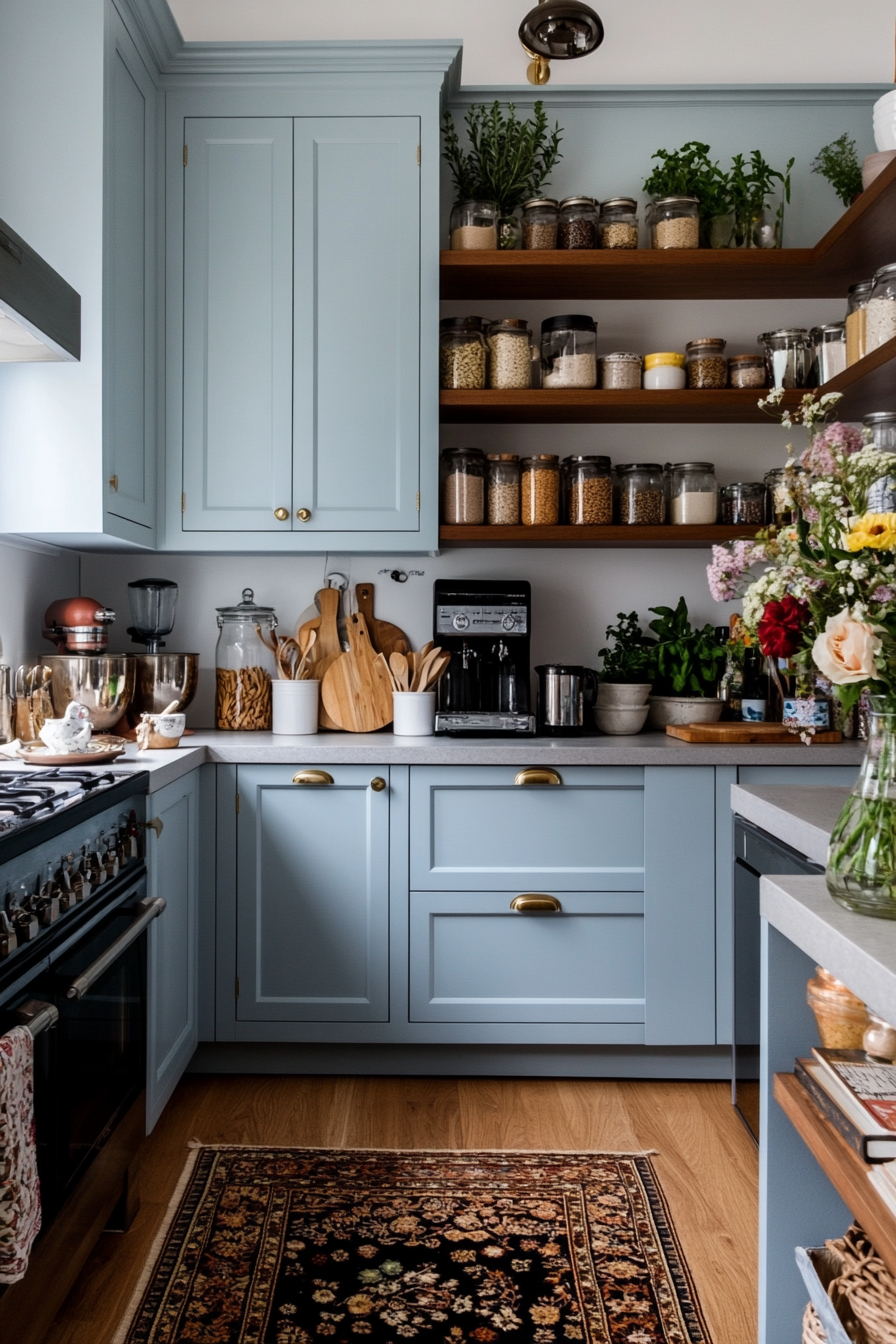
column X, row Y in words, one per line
column 509, row 350
column 746, row 370
column 706, row 364
column 540, row 493
column 462, row 353
column 618, row 223
column 620, row 369
column 540, row 220
column 503, row 489
column 463, row 486
column 743, row 502
column 641, row 492
column 589, row 490
column 578, row 223
column 675, row 222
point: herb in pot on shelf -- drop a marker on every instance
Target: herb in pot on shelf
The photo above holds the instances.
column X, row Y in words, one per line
column 686, row 665
column 839, row 164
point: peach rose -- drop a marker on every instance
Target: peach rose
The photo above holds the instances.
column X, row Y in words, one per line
column 845, row 652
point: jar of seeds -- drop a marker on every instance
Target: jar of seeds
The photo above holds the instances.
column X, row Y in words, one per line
column 618, row 223
column 503, row 489
column 474, row 226
column 743, row 502
column 568, row 351
column 589, row 490
column 509, row 347
column 706, row 364
column 880, row 315
column 463, row 486
column 540, row 219
column 675, row 222
column 746, row 371
column 621, row 369
column 642, row 497
column 540, row 493
column 578, row 223
column 462, row 353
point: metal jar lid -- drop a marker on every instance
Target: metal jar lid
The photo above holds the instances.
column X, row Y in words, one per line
column 887, row 272
column 879, row 418
column 503, row 457
column 594, row 459
column 538, row 201
column 578, row 200
column 619, row 203
column 545, row 459
column 569, row 322
column 692, row 466
column 675, row 200
column 703, row 341
column 860, row 287
column 460, row 324
column 638, row 466
column 747, row 359
column 785, row 334
column 626, row 356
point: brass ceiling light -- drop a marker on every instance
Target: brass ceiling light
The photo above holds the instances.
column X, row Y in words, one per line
column 559, row 30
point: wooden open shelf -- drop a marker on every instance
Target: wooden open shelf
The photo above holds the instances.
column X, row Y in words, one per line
column 616, row 535
column 860, row 242
column 841, row 1164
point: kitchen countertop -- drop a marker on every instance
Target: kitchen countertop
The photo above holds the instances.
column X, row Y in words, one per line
column 800, row 815
column 856, row 949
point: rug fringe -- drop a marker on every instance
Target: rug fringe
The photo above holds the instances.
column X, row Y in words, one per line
column 155, row 1250
column 455, row 1152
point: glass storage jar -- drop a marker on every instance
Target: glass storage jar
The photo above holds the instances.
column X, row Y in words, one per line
column 463, row 486
column 244, row 665
column 578, row 223
column 707, row 366
column 642, row 497
column 589, row 490
column 747, row 370
column 675, row 222
column 540, row 219
column 474, row 226
column 462, row 353
column 880, row 315
column 782, row 507
column 509, row 351
column 618, row 223
column 568, row 354
column 743, row 502
column 789, row 356
column 620, row 369
column 540, row 490
column 882, row 492
column 510, row 233
column 693, row 493
column 829, row 345
column 664, row 371
column 856, row 314
column 503, row 489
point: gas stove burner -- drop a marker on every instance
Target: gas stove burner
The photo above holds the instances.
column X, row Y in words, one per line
column 28, row 798
column 82, row 778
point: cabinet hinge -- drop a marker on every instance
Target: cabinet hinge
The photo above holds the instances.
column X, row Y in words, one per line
column 418, row 156
column 237, row 804
column 185, row 156
column 418, row 501
column 236, row 987
column 183, row 503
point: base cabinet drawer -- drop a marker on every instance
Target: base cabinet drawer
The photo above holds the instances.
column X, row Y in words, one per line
column 476, row 959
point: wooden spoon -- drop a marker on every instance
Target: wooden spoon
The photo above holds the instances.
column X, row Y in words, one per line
column 436, row 669
column 398, row 665
column 423, row 669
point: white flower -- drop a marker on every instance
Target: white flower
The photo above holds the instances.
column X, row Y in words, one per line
column 846, row 650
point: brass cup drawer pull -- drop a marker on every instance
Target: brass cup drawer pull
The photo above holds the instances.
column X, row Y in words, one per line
column 313, row 777
column 537, row 776
column 535, row 902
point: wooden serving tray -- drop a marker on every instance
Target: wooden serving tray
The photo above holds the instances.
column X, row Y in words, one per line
column 771, row 734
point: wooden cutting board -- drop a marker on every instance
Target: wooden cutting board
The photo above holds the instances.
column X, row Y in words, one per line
column 737, row 734
column 327, row 648
column 385, row 637
column 357, row 691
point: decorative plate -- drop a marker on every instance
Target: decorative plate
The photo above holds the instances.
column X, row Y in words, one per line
column 100, row 751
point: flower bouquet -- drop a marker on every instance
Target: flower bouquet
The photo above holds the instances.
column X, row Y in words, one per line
column 819, row 595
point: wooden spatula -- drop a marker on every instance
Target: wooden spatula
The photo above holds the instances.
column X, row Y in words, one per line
column 327, row 647
column 384, row 636
column 357, row 690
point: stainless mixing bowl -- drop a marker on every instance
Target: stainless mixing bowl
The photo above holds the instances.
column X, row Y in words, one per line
column 163, row 679
column 103, row 683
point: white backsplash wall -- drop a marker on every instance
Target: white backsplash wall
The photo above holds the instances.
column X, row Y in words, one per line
column 575, row 594
column 30, row 579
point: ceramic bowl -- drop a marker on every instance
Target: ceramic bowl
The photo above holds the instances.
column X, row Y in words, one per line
column 620, row 720
column 677, row 709
column 885, row 121
column 617, row 694
column 874, row 165
column 160, row 732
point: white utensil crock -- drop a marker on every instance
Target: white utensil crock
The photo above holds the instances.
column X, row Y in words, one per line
column 414, row 713
column 296, row 707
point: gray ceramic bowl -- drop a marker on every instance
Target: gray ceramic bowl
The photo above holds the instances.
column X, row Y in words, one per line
column 621, row 720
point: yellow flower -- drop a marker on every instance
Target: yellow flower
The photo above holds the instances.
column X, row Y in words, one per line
column 874, row 531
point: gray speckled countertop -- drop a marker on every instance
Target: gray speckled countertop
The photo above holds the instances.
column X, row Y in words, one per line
column 802, row 815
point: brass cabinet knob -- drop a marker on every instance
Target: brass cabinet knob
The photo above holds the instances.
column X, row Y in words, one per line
column 312, row 777
column 533, row 901
column 281, row 515
column 113, row 483
column 538, row 777
column 378, row 784
column 303, row 515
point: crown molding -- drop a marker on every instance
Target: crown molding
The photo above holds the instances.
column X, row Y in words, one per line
column 155, row 25
column 440, row 58
column 663, row 95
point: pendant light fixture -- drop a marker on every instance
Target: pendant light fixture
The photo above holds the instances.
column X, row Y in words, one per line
column 560, row 30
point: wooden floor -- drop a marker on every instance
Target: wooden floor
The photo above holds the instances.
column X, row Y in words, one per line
column 706, row 1162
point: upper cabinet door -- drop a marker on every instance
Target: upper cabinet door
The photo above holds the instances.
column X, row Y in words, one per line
column 237, row 323
column 357, row 335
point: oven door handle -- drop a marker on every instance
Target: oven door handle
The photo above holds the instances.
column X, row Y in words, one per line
column 147, row 911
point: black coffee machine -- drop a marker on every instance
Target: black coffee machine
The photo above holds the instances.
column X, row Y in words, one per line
column 485, row 626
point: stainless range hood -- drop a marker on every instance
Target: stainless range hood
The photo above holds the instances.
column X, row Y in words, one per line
column 40, row 315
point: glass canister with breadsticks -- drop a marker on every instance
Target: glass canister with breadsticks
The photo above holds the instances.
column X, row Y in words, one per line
column 245, row 663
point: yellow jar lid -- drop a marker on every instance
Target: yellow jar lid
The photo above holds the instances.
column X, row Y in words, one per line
column 671, row 357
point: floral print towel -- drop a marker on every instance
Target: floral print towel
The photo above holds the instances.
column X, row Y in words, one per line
column 19, row 1185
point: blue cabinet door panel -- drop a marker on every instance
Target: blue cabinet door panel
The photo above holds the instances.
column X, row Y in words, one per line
column 472, row 828
column 357, row 337
column 312, row 897
column 474, row 959
column 237, row 323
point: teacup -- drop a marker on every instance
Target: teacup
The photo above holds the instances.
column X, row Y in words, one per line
column 160, row 732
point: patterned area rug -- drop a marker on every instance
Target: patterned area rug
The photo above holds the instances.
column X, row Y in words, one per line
column 302, row 1246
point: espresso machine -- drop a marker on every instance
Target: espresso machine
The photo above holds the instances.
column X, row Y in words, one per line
column 485, row 625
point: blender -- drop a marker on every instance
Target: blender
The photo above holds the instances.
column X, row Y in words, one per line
column 164, row 680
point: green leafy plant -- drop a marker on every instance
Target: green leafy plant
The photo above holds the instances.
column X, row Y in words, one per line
column 685, row 661
column 750, row 187
column 742, row 191
column 630, row 659
column 838, row 162
column 508, row 160
column 687, row 172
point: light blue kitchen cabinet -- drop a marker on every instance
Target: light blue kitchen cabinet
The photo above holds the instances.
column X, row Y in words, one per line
column 172, row 856
column 312, row 895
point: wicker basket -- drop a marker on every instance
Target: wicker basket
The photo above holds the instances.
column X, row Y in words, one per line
column 866, row 1286
column 812, row 1330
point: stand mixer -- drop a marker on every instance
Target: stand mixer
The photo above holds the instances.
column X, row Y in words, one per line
column 164, row 680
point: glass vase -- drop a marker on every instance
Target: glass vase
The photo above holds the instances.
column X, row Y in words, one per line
column 861, row 867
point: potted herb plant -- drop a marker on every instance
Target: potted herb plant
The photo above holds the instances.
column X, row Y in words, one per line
column 689, row 171
column 839, row 164
column 750, row 186
column 686, row 664
column 625, row 677
column 508, row 161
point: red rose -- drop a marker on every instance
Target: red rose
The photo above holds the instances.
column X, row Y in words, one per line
column 781, row 627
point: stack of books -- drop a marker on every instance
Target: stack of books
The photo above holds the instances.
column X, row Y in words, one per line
column 857, row 1094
